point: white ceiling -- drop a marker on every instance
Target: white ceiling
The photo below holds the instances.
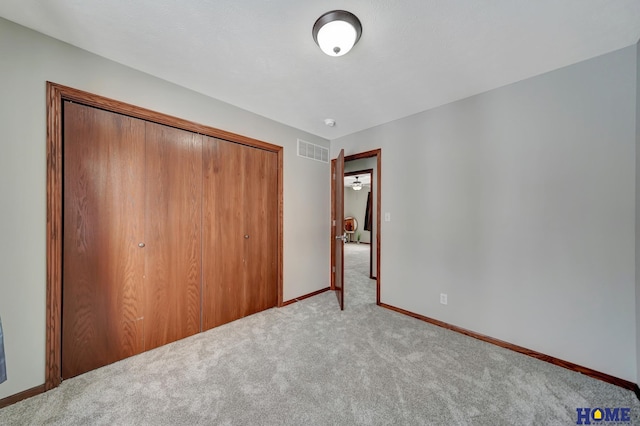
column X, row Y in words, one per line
column 365, row 179
column 413, row 55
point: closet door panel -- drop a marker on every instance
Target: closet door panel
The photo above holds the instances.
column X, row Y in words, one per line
column 173, row 234
column 261, row 218
column 103, row 221
column 223, row 297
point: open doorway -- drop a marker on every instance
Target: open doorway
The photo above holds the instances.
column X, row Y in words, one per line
column 359, row 280
column 366, row 167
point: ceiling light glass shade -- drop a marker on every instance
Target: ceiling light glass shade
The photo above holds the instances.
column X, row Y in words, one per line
column 336, row 32
column 336, row 38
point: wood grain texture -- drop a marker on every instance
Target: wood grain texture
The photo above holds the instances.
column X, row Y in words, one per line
column 223, row 233
column 260, row 225
column 240, row 231
column 53, row 374
column 56, row 94
column 103, row 222
column 123, row 108
column 543, row 357
column 172, row 235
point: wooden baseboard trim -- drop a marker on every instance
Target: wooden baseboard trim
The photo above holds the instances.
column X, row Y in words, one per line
column 5, row 402
column 547, row 358
column 306, row 296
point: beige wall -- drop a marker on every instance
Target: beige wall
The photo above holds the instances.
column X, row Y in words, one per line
column 519, row 203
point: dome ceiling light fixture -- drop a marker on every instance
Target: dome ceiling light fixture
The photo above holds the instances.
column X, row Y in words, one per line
column 336, row 32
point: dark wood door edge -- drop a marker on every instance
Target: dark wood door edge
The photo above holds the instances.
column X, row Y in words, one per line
column 332, row 233
column 542, row 357
column 360, row 155
column 9, row 400
column 359, row 172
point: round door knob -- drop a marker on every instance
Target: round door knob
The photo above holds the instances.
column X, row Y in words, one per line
column 140, row 245
column 246, row 237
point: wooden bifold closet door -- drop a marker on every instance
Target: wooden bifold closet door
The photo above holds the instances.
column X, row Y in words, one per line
column 104, row 163
column 239, row 236
column 166, row 233
column 172, row 235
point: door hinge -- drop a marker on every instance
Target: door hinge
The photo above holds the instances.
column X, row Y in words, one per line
column 334, row 176
column 333, row 269
column 334, row 223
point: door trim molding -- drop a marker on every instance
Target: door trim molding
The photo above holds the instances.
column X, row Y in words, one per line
column 370, row 173
column 306, row 296
column 56, row 94
column 377, row 153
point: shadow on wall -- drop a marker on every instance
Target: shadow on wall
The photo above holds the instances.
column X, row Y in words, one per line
column 3, row 364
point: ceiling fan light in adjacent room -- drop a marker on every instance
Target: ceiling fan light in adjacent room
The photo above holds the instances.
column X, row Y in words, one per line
column 356, row 185
column 336, row 32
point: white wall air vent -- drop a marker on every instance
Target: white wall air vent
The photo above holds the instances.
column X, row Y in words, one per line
column 312, row 151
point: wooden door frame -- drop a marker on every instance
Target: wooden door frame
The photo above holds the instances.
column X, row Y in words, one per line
column 56, row 94
column 377, row 153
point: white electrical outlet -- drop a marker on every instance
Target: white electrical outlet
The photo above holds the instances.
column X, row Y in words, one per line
column 443, row 298
column 387, row 217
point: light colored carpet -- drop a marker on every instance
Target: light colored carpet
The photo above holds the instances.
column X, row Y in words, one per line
column 310, row 364
column 359, row 289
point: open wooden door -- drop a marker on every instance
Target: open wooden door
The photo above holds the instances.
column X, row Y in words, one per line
column 338, row 228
